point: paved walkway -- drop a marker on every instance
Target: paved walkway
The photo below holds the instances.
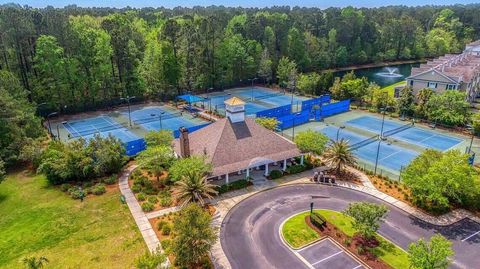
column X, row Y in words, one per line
column 140, row 218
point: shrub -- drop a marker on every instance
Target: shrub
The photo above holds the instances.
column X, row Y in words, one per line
column 76, row 193
column 318, row 220
column 99, row 189
column 65, row 187
column 276, row 174
column 88, row 184
column 236, row 185
column 297, row 168
column 165, row 201
column 347, row 241
column 147, row 206
column 166, row 244
column 152, row 199
column 136, row 188
column 160, row 224
column 166, row 229
column 141, row 196
column 110, row 180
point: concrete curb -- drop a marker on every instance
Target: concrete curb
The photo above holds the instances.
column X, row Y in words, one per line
column 348, row 252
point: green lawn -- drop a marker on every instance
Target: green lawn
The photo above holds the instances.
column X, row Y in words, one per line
column 297, row 233
column 391, row 88
column 37, row 219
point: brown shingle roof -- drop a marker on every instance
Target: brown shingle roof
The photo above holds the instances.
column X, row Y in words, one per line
column 231, row 147
column 234, row 101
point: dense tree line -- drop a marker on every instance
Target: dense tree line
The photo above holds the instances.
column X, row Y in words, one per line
column 80, row 58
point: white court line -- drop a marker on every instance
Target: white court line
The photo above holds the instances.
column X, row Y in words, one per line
column 333, row 255
column 357, row 266
column 472, row 235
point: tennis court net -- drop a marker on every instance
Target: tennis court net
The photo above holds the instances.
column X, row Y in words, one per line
column 270, row 95
column 364, row 142
column 156, row 117
column 397, row 130
column 92, row 130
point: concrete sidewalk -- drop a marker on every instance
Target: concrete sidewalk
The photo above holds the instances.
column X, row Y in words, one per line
column 140, row 218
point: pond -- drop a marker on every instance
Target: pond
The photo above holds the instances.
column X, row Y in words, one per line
column 384, row 75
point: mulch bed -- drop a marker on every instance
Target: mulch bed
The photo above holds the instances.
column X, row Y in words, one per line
column 354, row 245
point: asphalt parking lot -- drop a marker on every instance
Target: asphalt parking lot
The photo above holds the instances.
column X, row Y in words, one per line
column 326, row 254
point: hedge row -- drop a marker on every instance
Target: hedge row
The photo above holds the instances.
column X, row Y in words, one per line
column 236, row 185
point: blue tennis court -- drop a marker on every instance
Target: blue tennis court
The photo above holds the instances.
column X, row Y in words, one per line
column 390, row 156
column 415, row 135
column 262, row 99
column 101, row 125
column 149, row 119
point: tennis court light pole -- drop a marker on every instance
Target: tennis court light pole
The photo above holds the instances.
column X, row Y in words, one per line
column 253, row 80
column 293, row 127
column 380, row 140
column 48, row 121
column 210, row 98
column 128, row 98
column 338, row 131
column 160, row 118
column 470, row 128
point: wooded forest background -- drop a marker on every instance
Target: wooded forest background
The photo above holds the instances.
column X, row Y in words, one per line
column 75, row 59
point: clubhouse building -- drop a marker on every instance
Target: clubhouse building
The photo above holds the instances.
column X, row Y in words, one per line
column 237, row 145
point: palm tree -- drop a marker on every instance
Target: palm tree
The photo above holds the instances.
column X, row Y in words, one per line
column 34, row 262
column 193, row 187
column 338, row 155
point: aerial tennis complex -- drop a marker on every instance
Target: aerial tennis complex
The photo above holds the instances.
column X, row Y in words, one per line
column 393, row 149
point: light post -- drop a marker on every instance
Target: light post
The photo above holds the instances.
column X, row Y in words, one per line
column 128, row 98
column 252, row 80
column 469, row 127
column 380, row 140
column 293, row 127
column 160, row 118
column 320, row 108
column 338, row 131
column 48, row 121
column 209, row 98
column 293, row 90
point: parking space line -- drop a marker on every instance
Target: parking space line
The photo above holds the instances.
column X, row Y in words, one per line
column 470, row 236
column 333, row 255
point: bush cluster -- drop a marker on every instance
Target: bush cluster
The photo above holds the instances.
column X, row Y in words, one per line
column 99, row 189
column 276, row 174
column 147, row 206
column 143, row 184
column 79, row 160
column 297, row 168
column 236, row 185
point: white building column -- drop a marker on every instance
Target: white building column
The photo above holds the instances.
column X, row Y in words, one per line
column 284, row 165
column 226, row 178
column 266, row 169
column 301, row 159
column 248, row 172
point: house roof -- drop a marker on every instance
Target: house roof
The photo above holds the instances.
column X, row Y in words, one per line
column 234, row 101
column 454, row 67
column 231, row 147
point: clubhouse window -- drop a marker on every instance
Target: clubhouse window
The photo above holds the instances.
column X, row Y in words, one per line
column 432, row 85
column 451, row 87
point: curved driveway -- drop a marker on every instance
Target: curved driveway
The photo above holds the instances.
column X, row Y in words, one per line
column 250, row 237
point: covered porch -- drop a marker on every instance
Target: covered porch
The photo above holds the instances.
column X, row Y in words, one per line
column 258, row 169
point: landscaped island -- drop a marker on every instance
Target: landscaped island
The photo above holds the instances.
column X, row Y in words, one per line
column 298, row 231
